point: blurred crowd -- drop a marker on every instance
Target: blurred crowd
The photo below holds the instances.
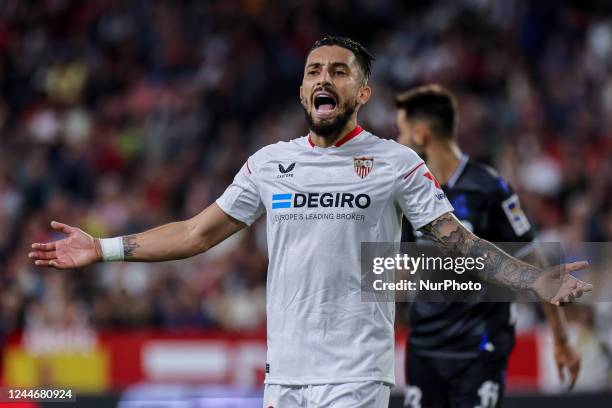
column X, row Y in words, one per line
column 117, row 116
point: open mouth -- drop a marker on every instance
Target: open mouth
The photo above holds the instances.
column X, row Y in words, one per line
column 324, row 103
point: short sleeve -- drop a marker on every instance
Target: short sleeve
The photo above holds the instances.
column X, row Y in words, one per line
column 419, row 194
column 242, row 199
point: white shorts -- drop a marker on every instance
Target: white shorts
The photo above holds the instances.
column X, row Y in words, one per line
column 368, row 394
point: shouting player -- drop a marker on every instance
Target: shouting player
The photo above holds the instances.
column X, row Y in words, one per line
column 323, row 194
column 458, row 352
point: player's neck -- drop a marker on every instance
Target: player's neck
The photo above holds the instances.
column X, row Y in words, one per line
column 443, row 160
column 327, row 141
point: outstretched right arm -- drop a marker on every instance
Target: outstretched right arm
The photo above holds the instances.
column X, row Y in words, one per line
column 176, row 240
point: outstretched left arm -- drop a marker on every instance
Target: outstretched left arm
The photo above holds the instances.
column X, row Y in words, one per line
column 554, row 285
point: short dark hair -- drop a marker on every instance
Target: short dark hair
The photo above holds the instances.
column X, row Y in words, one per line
column 433, row 103
column 362, row 55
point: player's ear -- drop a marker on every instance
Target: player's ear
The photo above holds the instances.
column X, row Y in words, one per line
column 364, row 94
column 420, row 133
column 302, row 94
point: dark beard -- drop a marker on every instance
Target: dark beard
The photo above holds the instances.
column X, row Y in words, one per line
column 330, row 130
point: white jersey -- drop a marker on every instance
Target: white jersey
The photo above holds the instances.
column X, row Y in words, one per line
column 321, row 203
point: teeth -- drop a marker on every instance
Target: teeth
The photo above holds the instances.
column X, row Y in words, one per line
column 324, row 95
column 328, row 103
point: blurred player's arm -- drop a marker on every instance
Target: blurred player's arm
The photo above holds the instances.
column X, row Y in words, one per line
column 554, row 285
column 565, row 354
column 171, row 241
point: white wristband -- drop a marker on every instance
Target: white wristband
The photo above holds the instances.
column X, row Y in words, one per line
column 112, row 249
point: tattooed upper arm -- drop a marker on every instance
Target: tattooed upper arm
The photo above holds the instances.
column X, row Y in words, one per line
column 453, row 239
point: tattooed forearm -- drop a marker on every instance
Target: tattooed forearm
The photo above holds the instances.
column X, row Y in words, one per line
column 453, row 239
column 129, row 246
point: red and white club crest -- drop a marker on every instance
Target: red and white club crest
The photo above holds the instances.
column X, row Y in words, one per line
column 363, row 165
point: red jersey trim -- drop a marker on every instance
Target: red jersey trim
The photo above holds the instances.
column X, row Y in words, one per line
column 413, row 170
column 358, row 129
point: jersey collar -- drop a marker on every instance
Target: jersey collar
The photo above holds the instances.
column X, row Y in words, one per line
column 358, row 129
column 458, row 171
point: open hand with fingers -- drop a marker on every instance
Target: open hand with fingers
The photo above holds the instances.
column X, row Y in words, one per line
column 556, row 285
column 77, row 250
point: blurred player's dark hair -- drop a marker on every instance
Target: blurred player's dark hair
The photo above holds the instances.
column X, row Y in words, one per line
column 432, row 103
column 362, row 55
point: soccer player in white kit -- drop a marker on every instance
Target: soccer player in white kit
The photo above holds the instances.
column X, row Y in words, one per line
column 323, row 194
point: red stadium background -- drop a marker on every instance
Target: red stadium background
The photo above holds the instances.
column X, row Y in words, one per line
column 114, row 360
